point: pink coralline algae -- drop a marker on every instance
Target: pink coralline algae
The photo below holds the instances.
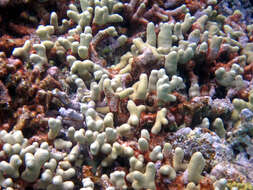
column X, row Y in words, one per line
column 126, row 95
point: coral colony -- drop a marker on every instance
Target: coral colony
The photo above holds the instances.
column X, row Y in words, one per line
column 129, row 95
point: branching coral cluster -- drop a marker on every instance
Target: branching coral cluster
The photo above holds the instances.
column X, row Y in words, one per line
column 130, row 95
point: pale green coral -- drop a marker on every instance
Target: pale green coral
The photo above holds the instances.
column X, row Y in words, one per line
column 230, row 78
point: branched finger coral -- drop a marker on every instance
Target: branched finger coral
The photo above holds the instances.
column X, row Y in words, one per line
column 113, row 95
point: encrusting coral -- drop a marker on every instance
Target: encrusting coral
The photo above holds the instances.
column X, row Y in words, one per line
column 119, row 95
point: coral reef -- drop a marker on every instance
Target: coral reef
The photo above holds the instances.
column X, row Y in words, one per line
column 132, row 94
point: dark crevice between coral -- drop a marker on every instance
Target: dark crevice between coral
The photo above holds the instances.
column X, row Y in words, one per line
column 220, row 92
column 110, row 50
